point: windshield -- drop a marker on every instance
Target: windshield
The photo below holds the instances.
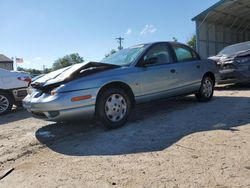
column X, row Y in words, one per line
column 235, row 48
column 124, row 57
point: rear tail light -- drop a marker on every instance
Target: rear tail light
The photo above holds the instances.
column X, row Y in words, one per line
column 53, row 92
column 25, row 79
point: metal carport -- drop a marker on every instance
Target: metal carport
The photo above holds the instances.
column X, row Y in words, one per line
column 226, row 22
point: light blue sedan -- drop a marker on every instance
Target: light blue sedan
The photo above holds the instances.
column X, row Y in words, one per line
column 109, row 89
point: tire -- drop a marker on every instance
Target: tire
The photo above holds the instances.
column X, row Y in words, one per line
column 6, row 103
column 206, row 91
column 113, row 107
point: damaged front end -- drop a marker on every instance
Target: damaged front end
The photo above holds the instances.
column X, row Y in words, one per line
column 233, row 68
column 48, row 85
column 55, row 97
column 224, row 63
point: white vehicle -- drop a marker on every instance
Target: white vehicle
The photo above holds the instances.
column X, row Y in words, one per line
column 13, row 88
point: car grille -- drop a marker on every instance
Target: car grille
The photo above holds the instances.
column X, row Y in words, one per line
column 22, row 93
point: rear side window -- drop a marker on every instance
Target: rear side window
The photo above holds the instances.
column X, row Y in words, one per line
column 184, row 54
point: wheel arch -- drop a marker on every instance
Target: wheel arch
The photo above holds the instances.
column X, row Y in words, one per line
column 10, row 98
column 9, row 92
column 117, row 84
column 211, row 75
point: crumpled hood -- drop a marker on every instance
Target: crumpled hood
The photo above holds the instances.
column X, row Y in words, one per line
column 225, row 59
column 72, row 73
column 222, row 59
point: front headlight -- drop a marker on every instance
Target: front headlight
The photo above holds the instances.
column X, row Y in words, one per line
column 243, row 59
column 54, row 91
column 228, row 67
column 29, row 90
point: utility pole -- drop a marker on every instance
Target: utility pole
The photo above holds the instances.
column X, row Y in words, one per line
column 120, row 40
column 175, row 39
column 14, row 63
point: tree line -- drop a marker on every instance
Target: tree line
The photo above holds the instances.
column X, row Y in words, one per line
column 75, row 58
column 64, row 61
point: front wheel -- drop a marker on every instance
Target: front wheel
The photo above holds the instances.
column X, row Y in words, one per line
column 206, row 91
column 6, row 103
column 114, row 107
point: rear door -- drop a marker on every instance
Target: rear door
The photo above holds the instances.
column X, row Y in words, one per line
column 189, row 68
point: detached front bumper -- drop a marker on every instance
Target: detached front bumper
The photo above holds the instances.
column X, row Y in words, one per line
column 60, row 107
column 234, row 76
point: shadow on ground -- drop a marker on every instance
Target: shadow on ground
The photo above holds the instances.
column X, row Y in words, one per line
column 153, row 127
column 15, row 115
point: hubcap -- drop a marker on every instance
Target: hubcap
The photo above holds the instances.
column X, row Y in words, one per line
column 115, row 107
column 207, row 88
column 4, row 103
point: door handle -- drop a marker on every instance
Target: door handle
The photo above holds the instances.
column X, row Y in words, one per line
column 198, row 66
column 172, row 71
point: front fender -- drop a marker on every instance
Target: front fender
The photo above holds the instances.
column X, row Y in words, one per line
column 132, row 80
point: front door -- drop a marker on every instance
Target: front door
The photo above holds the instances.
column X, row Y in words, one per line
column 159, row 76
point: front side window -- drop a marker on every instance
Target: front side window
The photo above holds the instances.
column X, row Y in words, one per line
column 160, row 53
column 184, row 54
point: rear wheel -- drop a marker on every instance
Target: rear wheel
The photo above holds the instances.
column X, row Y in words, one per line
column 6, row 103
column 114, row 107
column 206, row 90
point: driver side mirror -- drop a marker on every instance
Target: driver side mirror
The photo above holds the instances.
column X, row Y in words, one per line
column 150, row 61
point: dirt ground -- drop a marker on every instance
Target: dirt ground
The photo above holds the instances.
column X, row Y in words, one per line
column 176, row 143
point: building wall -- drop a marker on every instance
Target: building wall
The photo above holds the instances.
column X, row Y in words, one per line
column 7, row 66
column 211, row 38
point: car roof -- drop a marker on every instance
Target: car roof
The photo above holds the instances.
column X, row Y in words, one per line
column 239, row 44
column 158, row 42
column 172, row 42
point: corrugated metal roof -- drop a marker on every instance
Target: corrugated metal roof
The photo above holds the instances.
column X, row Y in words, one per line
column 5, row 59
column 229, row 13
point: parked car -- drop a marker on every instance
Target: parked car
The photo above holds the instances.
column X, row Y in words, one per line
column 13, row 88
column 109, row 89
column 234, row 63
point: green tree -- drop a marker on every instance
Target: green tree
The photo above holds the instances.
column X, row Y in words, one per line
column 20, row 69
column 67, row 61
column 192, row 42
column 31, row 71
column 110, row 53
column 46, row 70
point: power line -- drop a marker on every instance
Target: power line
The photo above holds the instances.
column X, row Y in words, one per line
column 120, row 41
